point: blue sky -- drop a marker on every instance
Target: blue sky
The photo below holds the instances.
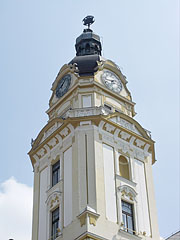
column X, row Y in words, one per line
column 142, row 37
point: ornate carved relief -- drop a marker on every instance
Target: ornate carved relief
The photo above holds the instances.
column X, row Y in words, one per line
column 51, row 130
column 41, row 152
column 127, row 192
column 125, row 124
column 64, row 132
column 124, row 147
column 109, row 127
column 139, row 143
column 124, row 135
column 53, row 200
column 46, row 147
column 58, row 139
column 52, row 143
column 125, row 142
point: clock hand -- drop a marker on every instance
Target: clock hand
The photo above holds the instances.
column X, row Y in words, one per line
column 112, row 81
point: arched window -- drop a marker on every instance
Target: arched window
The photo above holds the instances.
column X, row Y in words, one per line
column 96, row 49
column 124, row 167
column 87, row 48
column 80, row 50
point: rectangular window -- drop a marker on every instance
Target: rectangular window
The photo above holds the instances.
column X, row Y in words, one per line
column 86, row 101
column 55, row 223
column 127, row 214
column 55, row 173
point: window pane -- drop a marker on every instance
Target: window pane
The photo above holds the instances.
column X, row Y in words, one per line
column 124, row 220
column 127, row 215
column 55, row 223
column 130, row 224
column 127, row 207
column 55, row 173
column 54, row 230
column 55, row 215
column 56, row 166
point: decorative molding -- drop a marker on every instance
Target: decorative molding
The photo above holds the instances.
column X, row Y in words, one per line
column 46, row 147
column 64, row 132
column 125, row 181
column 84, row 112
column 109, row 127
column 52, row 143
column 41, row 152
column 127, row 192
column 146, row 148
column 124, row 135
column 88, row 213
column 59, row 138
column 55, row 159
column 125, row 124
column 53, row 200
column 125, row 142
column 124, row 147
column 139, row 143
column 116, row 133
column 50, row 130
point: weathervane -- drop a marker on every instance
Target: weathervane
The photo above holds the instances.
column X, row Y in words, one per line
column 87, row 21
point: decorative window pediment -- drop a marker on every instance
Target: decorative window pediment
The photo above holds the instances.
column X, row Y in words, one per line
column 53, row 200
column 127, row 192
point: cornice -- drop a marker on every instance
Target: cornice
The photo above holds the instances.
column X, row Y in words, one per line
column 57, row 130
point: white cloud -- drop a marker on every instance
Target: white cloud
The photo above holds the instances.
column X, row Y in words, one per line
column 15, row 210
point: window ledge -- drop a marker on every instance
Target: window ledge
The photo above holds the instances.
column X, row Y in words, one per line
column 58, row 237
column 129, row 235
column 57, row 185
column 129, row 182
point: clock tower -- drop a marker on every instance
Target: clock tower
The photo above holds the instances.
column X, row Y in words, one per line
column 92, row 161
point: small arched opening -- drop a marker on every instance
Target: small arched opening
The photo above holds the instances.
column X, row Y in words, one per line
column 87, row 48
column 124, row 167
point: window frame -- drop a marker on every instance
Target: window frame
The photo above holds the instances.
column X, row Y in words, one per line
column 55, row 234
column 127, row 214
column 55, row 169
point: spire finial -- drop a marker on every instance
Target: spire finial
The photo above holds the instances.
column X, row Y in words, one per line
column 87, row 21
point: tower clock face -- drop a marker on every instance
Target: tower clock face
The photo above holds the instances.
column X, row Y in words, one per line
column 112, row 81
column 63, row 85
